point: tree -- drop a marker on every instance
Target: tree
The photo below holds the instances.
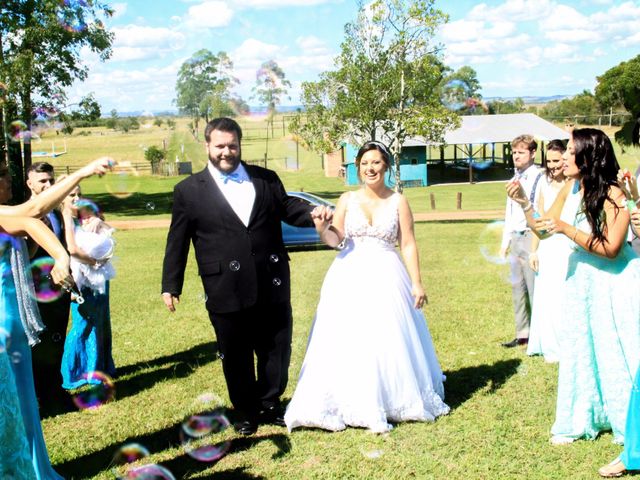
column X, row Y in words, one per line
column 201, row 76
column 271, row 86
column 89, row 108
column 582, row 108
column 388, row 79
column 617, row 87
column 40, row 44
column 154, row 155
column 506, row 106
column 112, row 121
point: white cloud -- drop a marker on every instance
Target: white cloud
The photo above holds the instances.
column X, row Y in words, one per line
column 133, row 42
column 512, row 10
column 278, row 3
column 210, row 14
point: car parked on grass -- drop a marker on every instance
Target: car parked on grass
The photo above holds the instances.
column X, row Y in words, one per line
column 303, row 236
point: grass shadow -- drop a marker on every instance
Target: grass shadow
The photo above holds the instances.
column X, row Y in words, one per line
column 136, row 204
column 136, row 377
column 182, row 465
column 461, row 384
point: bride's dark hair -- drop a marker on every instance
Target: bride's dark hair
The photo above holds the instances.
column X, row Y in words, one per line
column 374, row 145
column 598, row 167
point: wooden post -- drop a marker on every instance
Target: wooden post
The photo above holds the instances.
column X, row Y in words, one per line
column 459, row 201
column 432, row 197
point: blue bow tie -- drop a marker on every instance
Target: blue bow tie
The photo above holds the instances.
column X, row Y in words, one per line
column 234, row 177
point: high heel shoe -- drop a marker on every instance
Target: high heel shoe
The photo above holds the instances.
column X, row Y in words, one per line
column 613, row 469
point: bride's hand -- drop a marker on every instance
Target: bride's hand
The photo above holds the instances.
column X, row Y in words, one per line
column 420, row 297
column 321, row 218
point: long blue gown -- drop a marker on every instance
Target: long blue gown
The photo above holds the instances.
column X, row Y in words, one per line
column 19, row 352
column 87, row 348
column 631, row 454
column 599, row 338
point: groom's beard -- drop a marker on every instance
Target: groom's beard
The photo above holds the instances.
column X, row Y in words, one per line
column 227, row 164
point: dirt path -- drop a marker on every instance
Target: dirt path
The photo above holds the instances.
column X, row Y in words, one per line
column 419, row 217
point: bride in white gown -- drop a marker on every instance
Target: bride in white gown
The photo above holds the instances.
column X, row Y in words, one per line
column 370, row 359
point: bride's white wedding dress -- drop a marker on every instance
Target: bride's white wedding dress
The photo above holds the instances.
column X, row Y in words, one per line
column 370, row 359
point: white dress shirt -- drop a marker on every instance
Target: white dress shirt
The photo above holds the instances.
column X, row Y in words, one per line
column 514, row 218
column 240, row 194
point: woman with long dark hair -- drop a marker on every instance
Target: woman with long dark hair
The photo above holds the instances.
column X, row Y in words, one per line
column 600, row 336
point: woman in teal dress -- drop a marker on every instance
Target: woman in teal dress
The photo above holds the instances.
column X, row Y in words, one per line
column 600, row 335
column 87, row 349
column 20, row 317
column 24, row 454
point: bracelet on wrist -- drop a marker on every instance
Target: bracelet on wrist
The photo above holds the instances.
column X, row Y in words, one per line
column 527, row 208
column 575, row 234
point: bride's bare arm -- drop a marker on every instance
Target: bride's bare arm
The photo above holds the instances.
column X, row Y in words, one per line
column 409, row 249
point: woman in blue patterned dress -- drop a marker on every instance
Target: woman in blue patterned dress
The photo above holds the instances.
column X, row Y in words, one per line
column 20, row 316
column 600, row 336
column 87, row 349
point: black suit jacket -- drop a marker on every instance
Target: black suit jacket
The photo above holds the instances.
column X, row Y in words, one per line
column 239, row 265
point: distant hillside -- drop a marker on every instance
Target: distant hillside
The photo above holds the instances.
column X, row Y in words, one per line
column 530, row 99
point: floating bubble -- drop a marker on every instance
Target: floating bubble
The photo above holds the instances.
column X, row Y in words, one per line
column 18, row 130
column 56, row 337
column 99, row 389
column 16, row 357
column 150, row 206
column 123, row 180
column 454, row 95
column 129, row 453
column 149, row 472
column 490, row 242
column 70, row 15
column 204, row 435
column 46, row 291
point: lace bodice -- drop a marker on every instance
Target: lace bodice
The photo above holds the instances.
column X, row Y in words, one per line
column 384, row 229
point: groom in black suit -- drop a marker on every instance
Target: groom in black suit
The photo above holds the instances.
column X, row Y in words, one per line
column 231, row 212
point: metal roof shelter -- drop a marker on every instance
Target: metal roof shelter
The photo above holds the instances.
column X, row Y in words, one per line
column 503, row 128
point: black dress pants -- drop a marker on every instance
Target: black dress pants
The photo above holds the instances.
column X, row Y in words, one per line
column 263, row 330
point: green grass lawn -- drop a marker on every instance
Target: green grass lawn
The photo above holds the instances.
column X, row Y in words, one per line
column 502, row 401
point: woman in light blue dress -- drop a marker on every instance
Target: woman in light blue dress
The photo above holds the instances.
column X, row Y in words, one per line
column 20, row 316
column 600, row 335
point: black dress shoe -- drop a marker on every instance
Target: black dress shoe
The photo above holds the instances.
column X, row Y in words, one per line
column 515, row 342
column 273, row 416
column 246, row 427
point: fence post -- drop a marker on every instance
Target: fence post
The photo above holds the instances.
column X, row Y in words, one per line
column 67, row 169
column 265, row 155
column 459, row 201
column 432, row 197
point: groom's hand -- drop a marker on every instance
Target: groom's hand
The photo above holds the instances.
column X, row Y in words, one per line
column 170, row 301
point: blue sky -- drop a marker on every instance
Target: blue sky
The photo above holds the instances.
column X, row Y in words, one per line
column 518, row 47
